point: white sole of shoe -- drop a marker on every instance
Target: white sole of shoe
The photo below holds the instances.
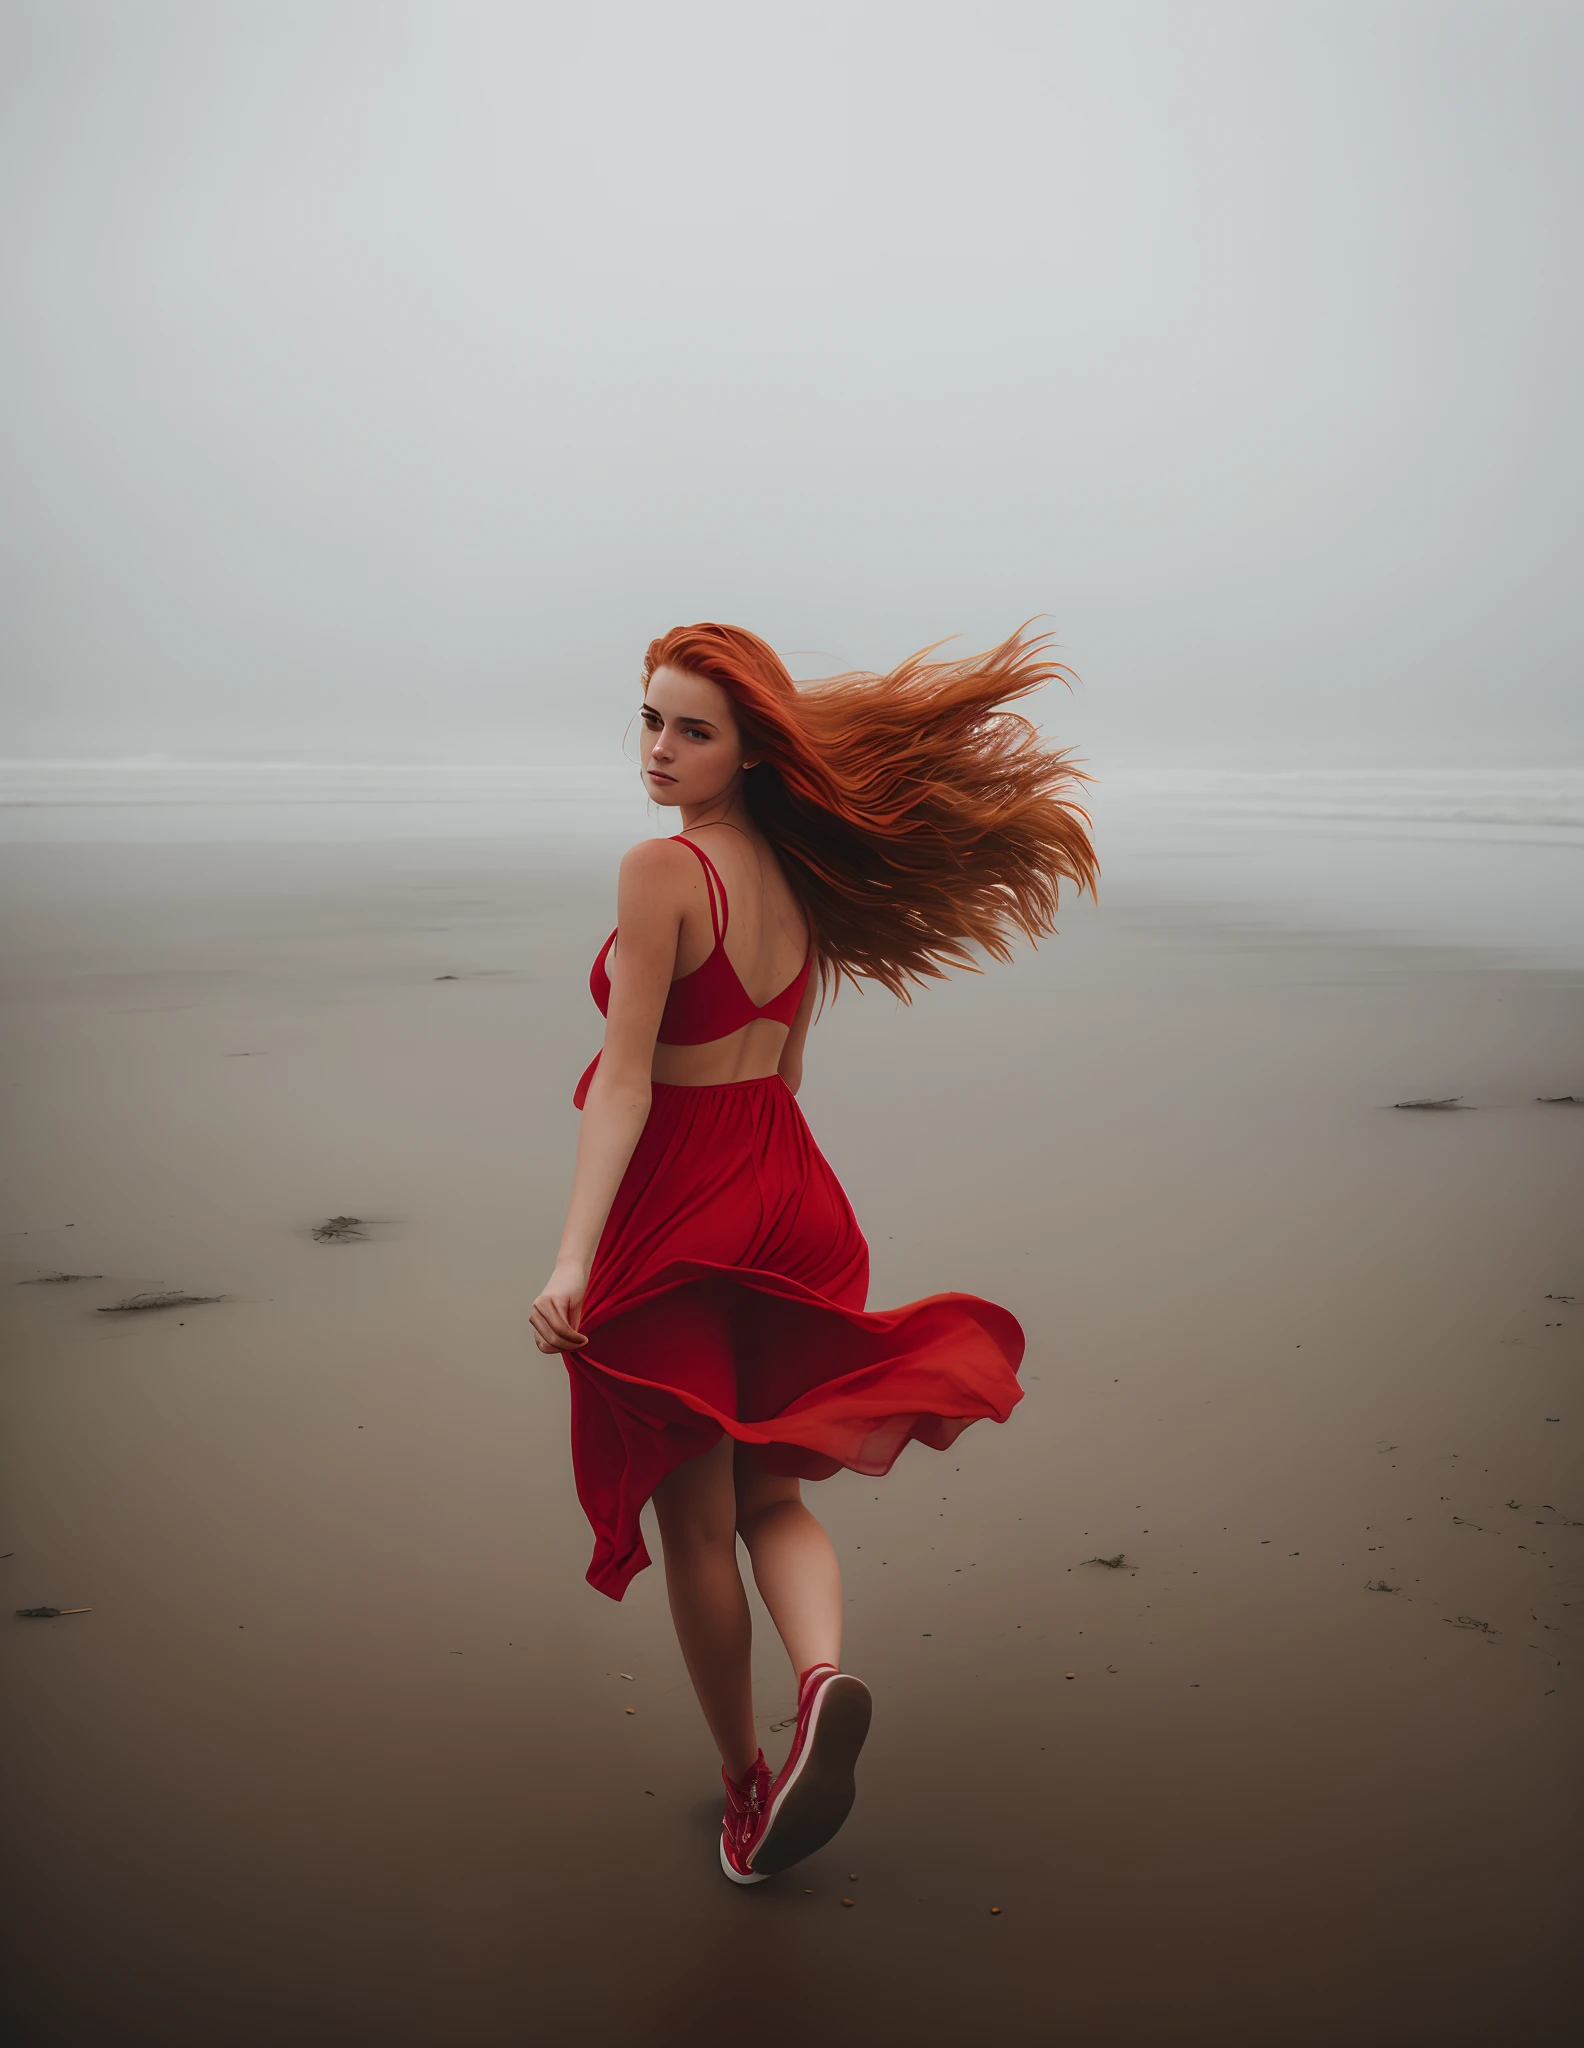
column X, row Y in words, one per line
column 811, row 1806
column 737, row 1876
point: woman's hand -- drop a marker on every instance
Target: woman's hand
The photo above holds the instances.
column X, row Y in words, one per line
column 555, row 1313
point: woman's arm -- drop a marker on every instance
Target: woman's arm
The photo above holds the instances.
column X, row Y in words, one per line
column 651, row 895
column 790, row 1065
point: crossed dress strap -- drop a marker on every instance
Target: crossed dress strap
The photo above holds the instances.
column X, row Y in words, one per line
column 713, row 887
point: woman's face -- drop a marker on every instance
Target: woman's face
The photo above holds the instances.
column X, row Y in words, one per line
column 688, row 743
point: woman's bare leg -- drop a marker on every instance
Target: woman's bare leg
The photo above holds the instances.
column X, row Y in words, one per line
column 794, row 1565
column 696, row 1506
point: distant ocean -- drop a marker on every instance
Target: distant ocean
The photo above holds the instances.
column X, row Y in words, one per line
column 1492, row 858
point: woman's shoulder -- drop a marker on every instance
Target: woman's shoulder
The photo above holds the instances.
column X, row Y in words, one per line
column 656, row 867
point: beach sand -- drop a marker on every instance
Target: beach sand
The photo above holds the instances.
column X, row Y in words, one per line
column 343, row 1751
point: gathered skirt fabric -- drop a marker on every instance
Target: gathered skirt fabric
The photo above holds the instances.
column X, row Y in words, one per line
column 728, row 1295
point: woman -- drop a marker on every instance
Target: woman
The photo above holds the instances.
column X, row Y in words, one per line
column 708, row 1296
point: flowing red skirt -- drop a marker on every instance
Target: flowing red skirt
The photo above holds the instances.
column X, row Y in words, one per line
column 728, row 1295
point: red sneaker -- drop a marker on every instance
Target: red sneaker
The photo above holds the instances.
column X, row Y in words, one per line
column 746, row 1805
column 814, row 1792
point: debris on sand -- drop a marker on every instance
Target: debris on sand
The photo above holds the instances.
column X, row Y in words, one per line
column 1112, row 1564
column 1444, row 1102
column 338, row 1230
column 137, row 1304
column 1468, row 1621
column 49, row 1613
column 58, row 1279
column 1380, row 1586
column 1576, row 1100
column 445, row 977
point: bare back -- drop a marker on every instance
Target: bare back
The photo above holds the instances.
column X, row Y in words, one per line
column 767, row 941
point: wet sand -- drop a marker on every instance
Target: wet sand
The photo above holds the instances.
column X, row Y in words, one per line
column 342, row 1752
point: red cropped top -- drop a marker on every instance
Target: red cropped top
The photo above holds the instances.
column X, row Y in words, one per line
column 711, row 1002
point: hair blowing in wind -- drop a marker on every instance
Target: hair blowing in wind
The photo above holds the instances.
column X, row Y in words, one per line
column 914, row 814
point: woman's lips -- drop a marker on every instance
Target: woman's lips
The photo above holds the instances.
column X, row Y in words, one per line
column 654, row 775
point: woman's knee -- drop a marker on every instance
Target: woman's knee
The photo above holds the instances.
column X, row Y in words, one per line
column 694, row 1529
column 763, row 1511
column 696, row 1503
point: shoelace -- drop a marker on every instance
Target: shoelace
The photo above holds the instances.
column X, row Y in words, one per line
column 752, row 1805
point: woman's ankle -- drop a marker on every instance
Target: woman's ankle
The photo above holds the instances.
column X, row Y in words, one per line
column 739, row 1779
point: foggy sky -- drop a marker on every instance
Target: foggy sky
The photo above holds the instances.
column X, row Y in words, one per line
column 377, row 379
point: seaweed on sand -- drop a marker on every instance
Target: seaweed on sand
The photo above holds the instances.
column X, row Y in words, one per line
column 338, row 1230
column 139, row 1304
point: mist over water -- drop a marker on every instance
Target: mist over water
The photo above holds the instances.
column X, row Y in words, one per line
column 379, row 381
column 1485, row 859
column 1472, row 858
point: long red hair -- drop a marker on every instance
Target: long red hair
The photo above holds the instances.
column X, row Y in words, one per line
column 913, row 814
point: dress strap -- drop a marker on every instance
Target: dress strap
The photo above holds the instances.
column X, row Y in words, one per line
column 713, row 887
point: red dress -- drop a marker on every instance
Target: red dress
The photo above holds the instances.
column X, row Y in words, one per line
column 728, row 1294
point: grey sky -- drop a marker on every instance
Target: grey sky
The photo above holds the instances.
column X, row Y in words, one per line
column 378, row 378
